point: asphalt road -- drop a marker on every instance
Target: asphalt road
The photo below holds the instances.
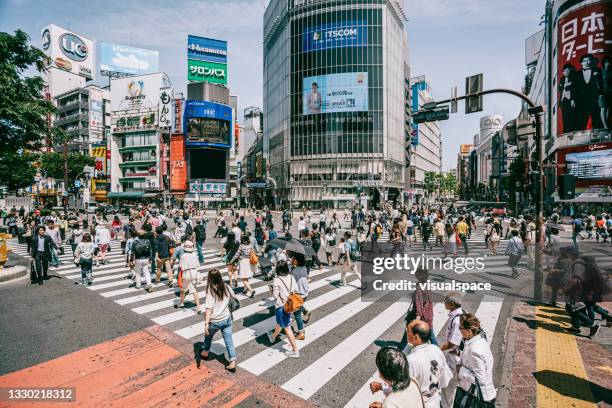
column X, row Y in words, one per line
column 342, row 338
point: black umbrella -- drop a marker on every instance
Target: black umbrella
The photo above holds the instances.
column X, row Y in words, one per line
column 293, row 245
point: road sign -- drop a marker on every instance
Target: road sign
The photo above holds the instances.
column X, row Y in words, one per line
column 473, row 84
column 431, row 115
column 77, row 183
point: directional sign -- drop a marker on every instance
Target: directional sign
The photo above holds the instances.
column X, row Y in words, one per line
column 431, row 115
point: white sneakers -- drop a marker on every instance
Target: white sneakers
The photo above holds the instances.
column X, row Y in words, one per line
column 292, row 354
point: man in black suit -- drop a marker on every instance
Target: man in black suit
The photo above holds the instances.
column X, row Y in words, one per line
column 41, row 253
column 589, row 87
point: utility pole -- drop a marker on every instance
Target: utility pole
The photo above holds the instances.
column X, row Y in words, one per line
column 65, row 197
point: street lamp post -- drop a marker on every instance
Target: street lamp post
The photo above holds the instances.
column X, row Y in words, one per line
column 291, row 180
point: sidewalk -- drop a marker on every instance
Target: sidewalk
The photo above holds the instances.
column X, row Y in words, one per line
column 551, row 367
column 150, row 367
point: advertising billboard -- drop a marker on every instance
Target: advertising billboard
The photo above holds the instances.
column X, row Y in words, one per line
column 590, row 164
column 584, row 51
column 346, row 92
column 206, row 49
column 136, row 92
column 123, row 59
column 465, row 149
column 334, row 35
column 196, row 187
column 206, row 71
column 96, row 99
column 207, row 124
column 69, row 51
column 98, row 152
column 178, row 166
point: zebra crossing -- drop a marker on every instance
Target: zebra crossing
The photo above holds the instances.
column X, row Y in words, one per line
column 343, row 327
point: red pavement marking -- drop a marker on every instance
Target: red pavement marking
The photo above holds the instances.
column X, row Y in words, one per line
column 152, row 367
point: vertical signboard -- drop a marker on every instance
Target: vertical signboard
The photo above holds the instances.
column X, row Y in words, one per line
column 177, row 124
column 164, row 108
column 178, row 167
column 584, row 68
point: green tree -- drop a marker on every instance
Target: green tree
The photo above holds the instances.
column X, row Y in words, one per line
column 430, row 182
column 24, row 112
column 16, row 169
column 52, row 164
column 450, row 184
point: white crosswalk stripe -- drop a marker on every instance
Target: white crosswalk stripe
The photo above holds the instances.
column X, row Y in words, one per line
column 334, row 307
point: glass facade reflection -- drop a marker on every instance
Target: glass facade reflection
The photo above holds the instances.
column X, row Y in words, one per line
column 335, row 97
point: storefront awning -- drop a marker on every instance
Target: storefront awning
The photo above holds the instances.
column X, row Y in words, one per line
column 150, row 195
column 125, row 194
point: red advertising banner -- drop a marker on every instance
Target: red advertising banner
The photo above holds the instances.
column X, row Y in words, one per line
column 178, row 166
column 584, row 48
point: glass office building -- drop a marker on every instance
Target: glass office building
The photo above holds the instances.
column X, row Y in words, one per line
column 336, row 98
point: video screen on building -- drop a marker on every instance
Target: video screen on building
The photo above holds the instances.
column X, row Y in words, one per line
column 345, row 92
column 590, row 165
column 208, row 164
column 334, row 35
column 208, row 130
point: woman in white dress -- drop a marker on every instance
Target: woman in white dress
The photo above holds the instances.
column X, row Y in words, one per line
column 245, row 268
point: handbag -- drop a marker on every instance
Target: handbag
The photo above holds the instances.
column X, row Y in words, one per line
column 180, row 278
column 472, row 398
column 253, row 258
column 233, row 304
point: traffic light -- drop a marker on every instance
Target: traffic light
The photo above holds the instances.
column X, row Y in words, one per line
column 431, row 115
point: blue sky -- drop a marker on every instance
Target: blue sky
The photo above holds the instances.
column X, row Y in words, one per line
column 448, row 39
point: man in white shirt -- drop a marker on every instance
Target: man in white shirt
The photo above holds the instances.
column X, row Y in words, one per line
column 530, row 241
column 427, row 364
column 237, row 231
column 452, row 302
column 301, row 224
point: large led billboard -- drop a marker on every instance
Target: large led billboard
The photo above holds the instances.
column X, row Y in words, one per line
column 590, row 165
column 334, row 35
column 345, row 92
column 207, row 124
column 584, row 64
column 123, row 59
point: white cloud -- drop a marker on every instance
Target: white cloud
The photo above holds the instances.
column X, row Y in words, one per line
column 130, row 61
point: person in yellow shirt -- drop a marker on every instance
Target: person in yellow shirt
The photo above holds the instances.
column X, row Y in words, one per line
column 462, row 230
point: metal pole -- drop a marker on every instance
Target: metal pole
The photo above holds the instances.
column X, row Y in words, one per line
column 65, row 199
column 537, row 284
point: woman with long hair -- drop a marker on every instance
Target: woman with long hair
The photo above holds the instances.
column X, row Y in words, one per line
column 83, row 255
column 218, row 317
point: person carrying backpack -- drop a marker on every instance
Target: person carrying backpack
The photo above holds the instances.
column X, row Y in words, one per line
column 349, row 255
column 142, row 259
column 200, row 238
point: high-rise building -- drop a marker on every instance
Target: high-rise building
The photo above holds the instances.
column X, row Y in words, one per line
column 336, row 92
column 137, row 148
column 463, row 170
column 489, row 125
column 426, row 142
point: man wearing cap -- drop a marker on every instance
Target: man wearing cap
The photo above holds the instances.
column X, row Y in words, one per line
column 452, row 302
